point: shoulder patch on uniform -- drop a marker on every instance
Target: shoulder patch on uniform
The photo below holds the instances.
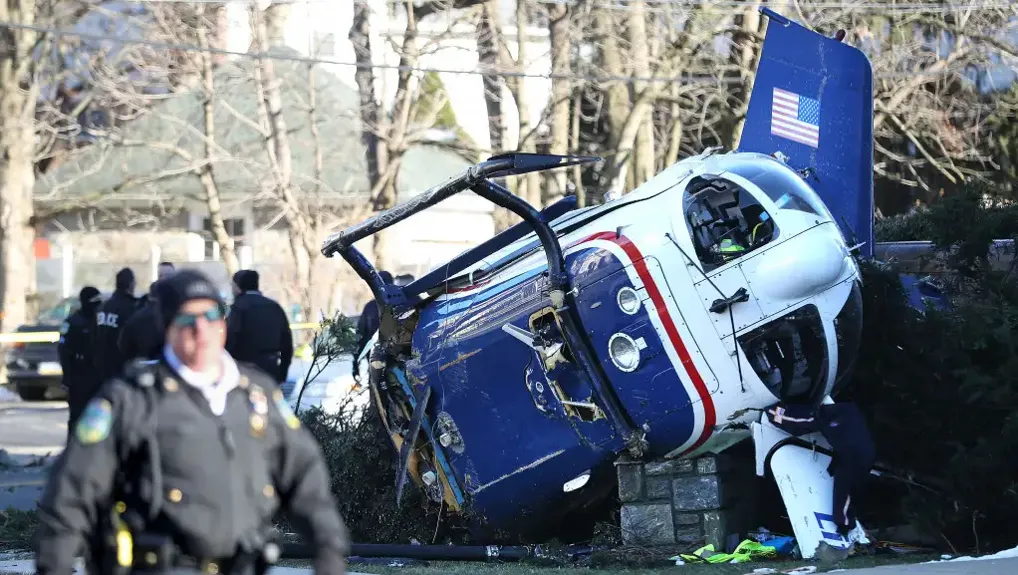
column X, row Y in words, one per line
column 64, row 327
column 95, row 422
column 285, row 410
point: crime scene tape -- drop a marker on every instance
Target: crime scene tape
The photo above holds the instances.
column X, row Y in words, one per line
column 54, row 336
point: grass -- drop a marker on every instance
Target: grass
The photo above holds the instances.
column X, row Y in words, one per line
column 16, row 529
column 465, row 568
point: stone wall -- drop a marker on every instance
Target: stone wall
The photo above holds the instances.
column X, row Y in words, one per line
column 688, row 503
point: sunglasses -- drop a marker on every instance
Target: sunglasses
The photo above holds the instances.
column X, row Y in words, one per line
column 191, row 319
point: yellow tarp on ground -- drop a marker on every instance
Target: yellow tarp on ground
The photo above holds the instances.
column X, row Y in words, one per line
column 748, row 550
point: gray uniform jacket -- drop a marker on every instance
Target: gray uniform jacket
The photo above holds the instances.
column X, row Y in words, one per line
column 222, row 476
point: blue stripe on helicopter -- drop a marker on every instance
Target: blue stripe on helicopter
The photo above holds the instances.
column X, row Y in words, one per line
column 454, row 305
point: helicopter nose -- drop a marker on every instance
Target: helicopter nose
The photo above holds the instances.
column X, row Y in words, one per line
column 802, row 266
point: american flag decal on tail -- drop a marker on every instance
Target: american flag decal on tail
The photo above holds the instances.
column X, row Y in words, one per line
column 795, row 117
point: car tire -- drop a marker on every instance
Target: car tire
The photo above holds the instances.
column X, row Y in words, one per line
column 31, row 393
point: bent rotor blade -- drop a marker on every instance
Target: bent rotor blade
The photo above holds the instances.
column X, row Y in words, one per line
column 408, row 442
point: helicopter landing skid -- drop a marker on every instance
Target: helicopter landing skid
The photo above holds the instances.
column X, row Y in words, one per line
column 799, row 467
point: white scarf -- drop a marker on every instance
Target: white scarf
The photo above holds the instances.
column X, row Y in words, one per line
column 215, row 392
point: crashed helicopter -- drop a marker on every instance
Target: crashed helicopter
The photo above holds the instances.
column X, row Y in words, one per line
column 658, row 324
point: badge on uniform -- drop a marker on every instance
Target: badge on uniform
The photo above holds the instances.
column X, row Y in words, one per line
column 285, row 410
column 96, row 421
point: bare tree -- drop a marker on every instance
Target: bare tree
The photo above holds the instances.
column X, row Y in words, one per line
column 303, row 239
column 206, row 171
column 561, row 96
column 387, row 136
column 489, row 44
column 18, row 94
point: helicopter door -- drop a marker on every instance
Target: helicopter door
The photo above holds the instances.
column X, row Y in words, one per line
column 728, row 297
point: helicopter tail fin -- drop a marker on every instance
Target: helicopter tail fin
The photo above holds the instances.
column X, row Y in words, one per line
column 812, row 105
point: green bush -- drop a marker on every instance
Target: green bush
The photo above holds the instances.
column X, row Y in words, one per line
column 941, row 388
column 363, row 464
column 360, row 456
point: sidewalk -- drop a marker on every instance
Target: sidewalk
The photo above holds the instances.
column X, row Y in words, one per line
column 981, row 567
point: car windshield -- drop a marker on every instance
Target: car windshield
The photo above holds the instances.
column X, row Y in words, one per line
column 58, row 313
column 782, row 185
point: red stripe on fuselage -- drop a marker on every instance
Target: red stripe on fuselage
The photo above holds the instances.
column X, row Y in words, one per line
column 709, row 416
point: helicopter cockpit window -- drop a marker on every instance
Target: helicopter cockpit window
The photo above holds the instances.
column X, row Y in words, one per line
column 725, row 221
column 782, row 185
column 790, row 356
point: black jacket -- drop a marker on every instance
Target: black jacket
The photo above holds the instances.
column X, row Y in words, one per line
column 367, row 325
column 76, row 350
column 113, row 315
column 224, row 477
column 258, row 332
column 142, row 336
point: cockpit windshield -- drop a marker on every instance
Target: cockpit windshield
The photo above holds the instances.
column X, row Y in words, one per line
column 781, row 184
column 790, row 356
column 725, row 220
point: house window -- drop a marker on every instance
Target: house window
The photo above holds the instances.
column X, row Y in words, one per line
column 234, row 227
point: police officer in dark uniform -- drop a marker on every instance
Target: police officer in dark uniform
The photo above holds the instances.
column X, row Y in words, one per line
column 141, row 336
column 164, row 269
column 844, row 427
column 367, row 324
column 190, row 457
column 258, row 330
column 77, row 353
column 112, row 317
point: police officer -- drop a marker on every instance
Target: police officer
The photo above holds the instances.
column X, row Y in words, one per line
column 190, row 457
column 258, row 330
column 110, row 320
column 844, row 427
column 141, row 336
column 164, row 269
column 367, row 324
column 77, row 353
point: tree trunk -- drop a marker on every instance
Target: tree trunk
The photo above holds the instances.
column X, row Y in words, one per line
column 206, row 172
column 675, row 137
column 277, row 145
column 746, row 59
column 643, row 161
column 371, row 126
column 489, row 42
column 555, row 182
column 489, row 38
column 397, row 133
column 627, row 137
column 529, row 184
column 18, row 93
column 616, row 94
column 574, row 145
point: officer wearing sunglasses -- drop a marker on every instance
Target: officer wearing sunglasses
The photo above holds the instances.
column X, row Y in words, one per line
column 181, row 464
